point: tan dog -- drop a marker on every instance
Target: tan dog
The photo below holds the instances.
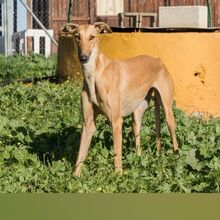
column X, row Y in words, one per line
column 117, row 88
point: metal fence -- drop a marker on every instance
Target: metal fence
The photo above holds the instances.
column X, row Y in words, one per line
column 21, row 24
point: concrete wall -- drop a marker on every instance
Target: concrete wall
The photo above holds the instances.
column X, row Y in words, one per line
column 193, row 60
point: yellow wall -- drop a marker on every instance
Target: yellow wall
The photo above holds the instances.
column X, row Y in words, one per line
column 193, row 60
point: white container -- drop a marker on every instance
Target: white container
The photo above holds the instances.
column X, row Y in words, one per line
column 183, row 16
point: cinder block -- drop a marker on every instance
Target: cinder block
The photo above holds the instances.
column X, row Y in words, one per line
column 183, row 16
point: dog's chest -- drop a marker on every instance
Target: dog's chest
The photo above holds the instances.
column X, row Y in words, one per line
column 98, row 97
column 90, row 81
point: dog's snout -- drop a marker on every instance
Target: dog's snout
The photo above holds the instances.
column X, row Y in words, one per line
column 83, row 58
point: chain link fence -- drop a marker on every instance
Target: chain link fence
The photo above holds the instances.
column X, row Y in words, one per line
column 17, row 19
column 41, row 10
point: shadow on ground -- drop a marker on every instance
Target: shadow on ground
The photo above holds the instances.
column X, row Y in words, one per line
column 55, row 146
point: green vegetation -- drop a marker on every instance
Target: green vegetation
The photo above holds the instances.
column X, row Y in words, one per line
column 40, row 133
column 20, row 67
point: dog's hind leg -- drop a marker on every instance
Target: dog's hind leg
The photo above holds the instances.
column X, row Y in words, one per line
column 117, row 139
column 172, row 126
column 157, row 103
column 136, row 124
column 165, row 89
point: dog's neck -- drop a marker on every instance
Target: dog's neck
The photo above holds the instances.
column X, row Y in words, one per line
column 89, row 67
column 89, row 72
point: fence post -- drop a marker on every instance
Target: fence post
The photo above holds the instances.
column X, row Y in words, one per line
column 70, row 10
column 91, row 11
column 209, row 13
column 167, row 2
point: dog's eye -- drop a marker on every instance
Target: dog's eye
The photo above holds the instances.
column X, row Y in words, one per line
column 91, row 37
column 77, row 37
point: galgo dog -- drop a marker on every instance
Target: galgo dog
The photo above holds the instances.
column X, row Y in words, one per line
column 117, row 88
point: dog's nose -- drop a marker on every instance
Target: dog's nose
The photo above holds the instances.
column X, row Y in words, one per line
column 83, row 58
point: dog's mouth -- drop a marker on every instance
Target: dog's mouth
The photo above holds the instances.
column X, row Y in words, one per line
column 84, row 60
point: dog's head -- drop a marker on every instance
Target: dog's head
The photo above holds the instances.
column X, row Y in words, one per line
column 86, row 37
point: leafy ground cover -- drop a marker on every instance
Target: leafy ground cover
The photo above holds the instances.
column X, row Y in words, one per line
column 20, row 67
column 40, row 129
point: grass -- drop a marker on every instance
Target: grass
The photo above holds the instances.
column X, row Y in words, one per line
column 40, row 134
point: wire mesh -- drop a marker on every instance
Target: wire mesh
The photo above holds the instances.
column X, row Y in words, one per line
column 15, row 16
column 42, row 45
column 17, row 45
column 41, row 10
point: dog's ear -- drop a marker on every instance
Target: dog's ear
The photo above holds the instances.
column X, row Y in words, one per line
column 69, row 28
column 102, row 27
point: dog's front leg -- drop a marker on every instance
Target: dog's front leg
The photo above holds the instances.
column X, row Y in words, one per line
column 88, row 130
column 117, row 139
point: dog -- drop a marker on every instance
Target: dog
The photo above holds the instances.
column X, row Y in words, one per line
column 117, row 88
